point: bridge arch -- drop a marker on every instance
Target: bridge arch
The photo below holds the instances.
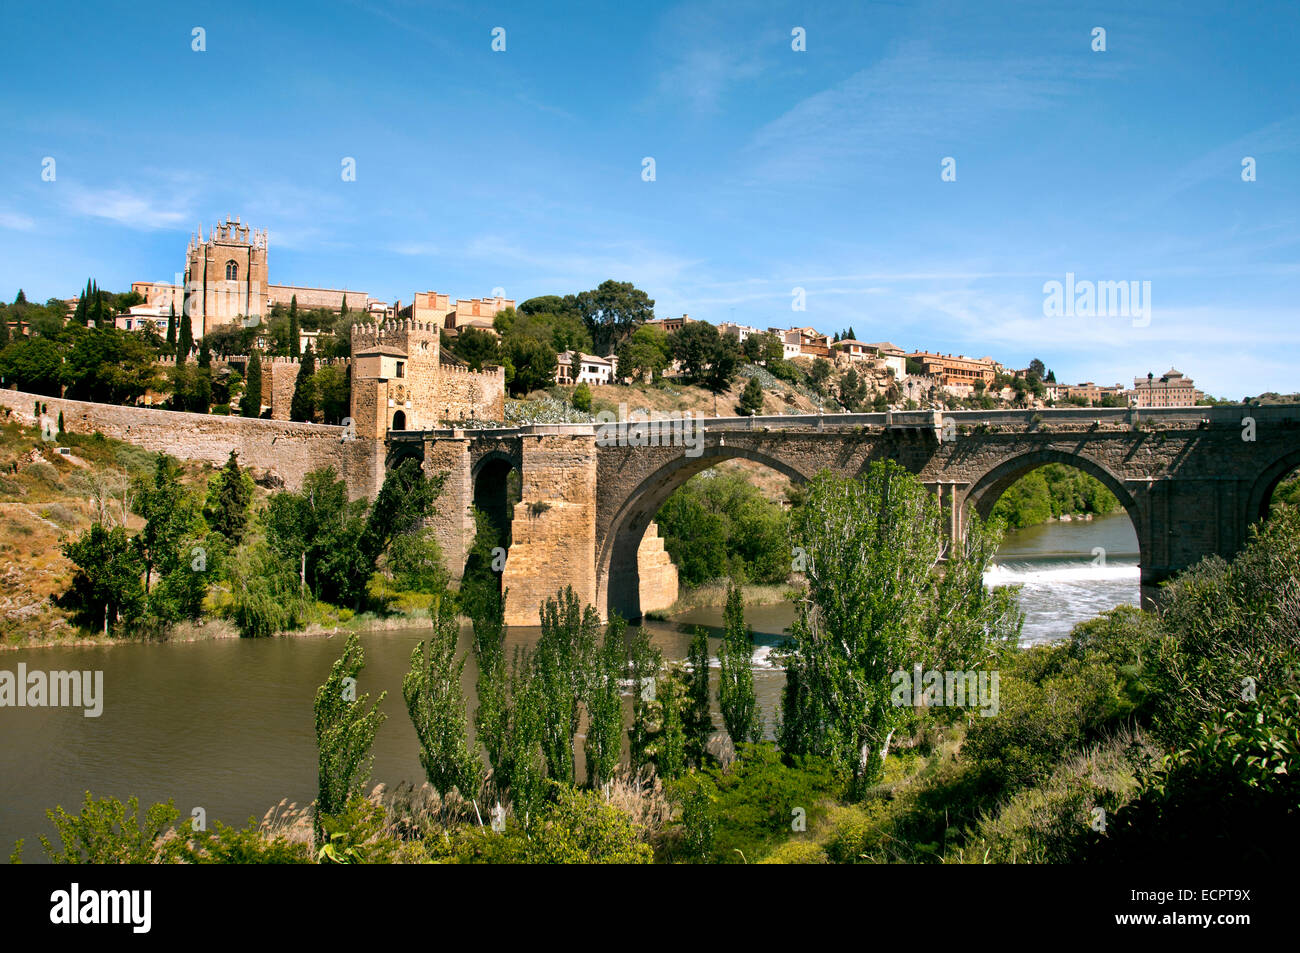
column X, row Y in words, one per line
column 617, row 577
column 985, row 492
column 1261, row 492
column 401, row 451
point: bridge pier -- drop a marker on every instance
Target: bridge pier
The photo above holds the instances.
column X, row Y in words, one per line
column 554, row 527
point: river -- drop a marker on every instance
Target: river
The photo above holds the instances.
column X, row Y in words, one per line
column 227, row 725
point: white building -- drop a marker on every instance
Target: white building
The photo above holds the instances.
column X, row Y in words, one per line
column 592, row 369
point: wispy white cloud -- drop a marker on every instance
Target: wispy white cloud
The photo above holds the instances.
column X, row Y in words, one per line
column 127, row 207
column 883, row 111
column 16, row 221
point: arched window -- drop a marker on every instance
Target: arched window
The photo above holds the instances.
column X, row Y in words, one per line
column 399, row 420
column 232, row 271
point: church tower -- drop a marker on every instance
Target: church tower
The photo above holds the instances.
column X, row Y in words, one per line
column 226, row 275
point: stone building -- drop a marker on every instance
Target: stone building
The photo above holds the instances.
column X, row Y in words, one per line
column 1170, row 389
column 400, row 381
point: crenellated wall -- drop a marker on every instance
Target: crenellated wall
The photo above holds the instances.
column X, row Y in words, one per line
column 287, row 450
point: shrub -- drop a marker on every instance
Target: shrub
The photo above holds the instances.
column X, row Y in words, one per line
column 110, row 832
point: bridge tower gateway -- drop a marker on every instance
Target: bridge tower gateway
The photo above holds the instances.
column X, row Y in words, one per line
column 395, row 368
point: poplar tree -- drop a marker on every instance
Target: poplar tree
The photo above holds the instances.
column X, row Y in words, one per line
column 431, row 689
column 736, row 696
column 697, row 719
column 605, row 707
column 346, row 725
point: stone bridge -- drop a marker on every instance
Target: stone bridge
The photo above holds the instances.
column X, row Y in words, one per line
column 1191, row 479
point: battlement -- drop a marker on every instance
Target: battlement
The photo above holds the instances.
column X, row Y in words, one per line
column 492, row 370
column 229, row 232
column 390, row 332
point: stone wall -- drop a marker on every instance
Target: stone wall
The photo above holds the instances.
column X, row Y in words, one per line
column 279, row 377
column 286, row 450
column 463, row 393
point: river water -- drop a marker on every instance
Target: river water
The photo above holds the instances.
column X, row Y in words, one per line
column 227, row 725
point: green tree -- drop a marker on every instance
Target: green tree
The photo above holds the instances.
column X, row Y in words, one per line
column 295, row 336
column 302, row 407
column 646, row 664
column 431, row 689
column 250, row 404
column 492, row 722
column 203, row 381
column 171, row 327
column 170, row 514
column 477, row 348
column 346, row 725
column 530, row 365
column 612, row 311
column 229, row 494
column 751, row 398
column 671, row 756
column 105, row 590
column 603, row 745
column 644, row 355
column 697, row 720
column 334, row 392
column 869, row 547
column 32, row 365
column 562, row 663
column 184, row 340
column 582, row 398
column 736, row 696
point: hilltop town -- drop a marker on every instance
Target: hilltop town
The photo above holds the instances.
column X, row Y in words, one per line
column 223, row 339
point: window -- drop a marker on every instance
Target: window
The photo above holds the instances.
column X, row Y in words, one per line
column 232, row 270
column 399, row 420
column 401, row 369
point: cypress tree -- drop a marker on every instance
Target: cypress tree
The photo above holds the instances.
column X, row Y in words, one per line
column 293, row 326
column 343, row 310
column 171, row 327
column 22, row 298
column 83, row 305
column 227, row 509
column 250, row 404
column 203, row 382
column 184, row 340
column 303, row 406
column 4, row 329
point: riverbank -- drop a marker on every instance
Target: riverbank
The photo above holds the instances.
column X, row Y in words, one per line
column 711, row 595
column 216, row 629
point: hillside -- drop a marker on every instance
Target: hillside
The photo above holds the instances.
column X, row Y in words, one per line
column 47, row 496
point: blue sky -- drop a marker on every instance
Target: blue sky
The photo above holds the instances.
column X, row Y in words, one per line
column 775, row 169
